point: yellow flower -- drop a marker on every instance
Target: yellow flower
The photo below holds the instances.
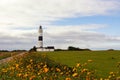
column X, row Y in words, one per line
column 61, row 73
column 58, row 70
column 41, row 63
column 111, row 73
column 78, row 64
column 4, row 70
column 45, row 66
column 28, row 66
column 88, row 73
column 90, row 60
column 65, row 67
column 17, row 65
column 19, row 75
column 31, row 60
column 26, row 75
column 45, row 70
column 87, row 78
column 75, row 75
column 68, row 79
column 67, row 73
column 109, row 77
column 84, row 70
column 32, row 77
column 74, row 69
column 101, row 78
column 39, row 73
column 12, row 68
column 45, row 78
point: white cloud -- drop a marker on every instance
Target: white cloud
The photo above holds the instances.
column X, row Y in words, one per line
column 30, row 12
column 18, row 18
column 75, row 28
column 83, row 36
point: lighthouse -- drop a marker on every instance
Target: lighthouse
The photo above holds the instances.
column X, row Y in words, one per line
column 40, row 38
column 40, row 42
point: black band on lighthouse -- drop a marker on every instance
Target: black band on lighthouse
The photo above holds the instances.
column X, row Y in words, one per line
column 40, row 38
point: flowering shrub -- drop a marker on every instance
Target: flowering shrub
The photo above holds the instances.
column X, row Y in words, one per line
column 33, row 66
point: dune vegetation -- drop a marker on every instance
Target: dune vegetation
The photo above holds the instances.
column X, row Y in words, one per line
column 63, row 65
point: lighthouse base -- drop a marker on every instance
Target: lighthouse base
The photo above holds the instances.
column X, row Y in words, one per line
column 49, row 48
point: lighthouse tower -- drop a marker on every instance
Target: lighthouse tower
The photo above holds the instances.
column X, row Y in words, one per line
column 40, row 38
column 40, row 42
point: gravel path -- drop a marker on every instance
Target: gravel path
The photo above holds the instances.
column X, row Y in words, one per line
column 9, row 58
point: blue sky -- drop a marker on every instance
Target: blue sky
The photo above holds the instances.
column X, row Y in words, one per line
column 90, row 24
column 112, row 21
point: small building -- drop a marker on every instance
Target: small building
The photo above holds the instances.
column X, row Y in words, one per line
column 49, row 48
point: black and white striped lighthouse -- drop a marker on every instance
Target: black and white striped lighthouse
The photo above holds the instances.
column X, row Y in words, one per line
column 40, row 37
column 40, row 42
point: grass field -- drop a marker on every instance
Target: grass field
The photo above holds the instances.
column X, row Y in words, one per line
column 61, row 65
column 103, row 61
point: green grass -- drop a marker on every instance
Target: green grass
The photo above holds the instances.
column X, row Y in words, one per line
column 103, row 61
